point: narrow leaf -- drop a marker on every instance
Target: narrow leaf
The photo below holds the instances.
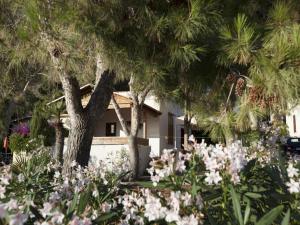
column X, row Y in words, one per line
column 247, row 213
column 269, row 218
column 236, row 206
column 287, row 217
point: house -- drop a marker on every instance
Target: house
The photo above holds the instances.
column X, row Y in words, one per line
column 161, row 127
column 292, row 120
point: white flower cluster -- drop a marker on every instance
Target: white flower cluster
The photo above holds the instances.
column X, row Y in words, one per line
column 294, row 176
column 11, row 209
column 115, row 163
column 221, row 160
column 60, row 195
column 167, row 165
column 144, row 204
column 260, row 152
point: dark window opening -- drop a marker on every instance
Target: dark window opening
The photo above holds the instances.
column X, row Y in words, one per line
column 111, row 129
column 294, row 123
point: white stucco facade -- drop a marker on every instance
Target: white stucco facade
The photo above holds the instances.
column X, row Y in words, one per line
column 160, row 129
column 108, row 153
column 293, row 121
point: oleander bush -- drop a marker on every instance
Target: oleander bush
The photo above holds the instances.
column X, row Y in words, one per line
column 211, row 185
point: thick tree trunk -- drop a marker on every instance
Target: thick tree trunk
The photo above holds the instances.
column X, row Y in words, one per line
column 134, row 155
column 136, row 118
column 187, row 128
column 83, row 121
column 79, row 142
column 59, row 143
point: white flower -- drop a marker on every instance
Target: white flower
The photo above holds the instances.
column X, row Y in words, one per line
column 213, row 177
column 211, row 164
column 2, row 211
column 95, row 193
column 56, row 174
column 75, row 221
column 2, row 191
column 188, row 220
column 12, row 204
column 57, row 218
column 174, row 201
column 154, row 209
column 199, row 201
column 54, row 197
column 21, row 178
column 73, row 164
column 187, row 199
column 18, row 219
column 172, row 216
column 46, row 210
column 180, row 166
column 106, row 207
column 292, row 171
column 86, row 221
column 5, row 180
column 294, row 187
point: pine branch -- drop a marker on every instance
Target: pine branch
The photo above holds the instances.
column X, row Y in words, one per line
column 145, row 92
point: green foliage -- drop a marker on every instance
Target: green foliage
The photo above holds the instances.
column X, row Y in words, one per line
column 40, row 126
column 19, row 143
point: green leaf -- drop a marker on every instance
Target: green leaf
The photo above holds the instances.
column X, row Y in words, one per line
column 269, row 218
column 72, row 207
column 287, row 217
column 236, row 206
column 84, row 200
column 195, row 189
column 253, row 195
column 105, row 217
column 247, row 212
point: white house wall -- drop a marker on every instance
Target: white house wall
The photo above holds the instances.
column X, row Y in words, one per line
column 290, row 121
column 108, row 152
column 110, row 116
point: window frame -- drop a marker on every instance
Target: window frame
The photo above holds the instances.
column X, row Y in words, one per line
column 108, row 132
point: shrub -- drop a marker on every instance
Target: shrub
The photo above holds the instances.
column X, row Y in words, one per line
column 19, row 143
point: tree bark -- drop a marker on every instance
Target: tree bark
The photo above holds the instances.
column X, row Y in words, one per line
column 134, row 155
column 83, row 121
column 59, row 143
column 136, row 118
column 186, row 121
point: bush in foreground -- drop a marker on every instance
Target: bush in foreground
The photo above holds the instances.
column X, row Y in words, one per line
column 208, row 185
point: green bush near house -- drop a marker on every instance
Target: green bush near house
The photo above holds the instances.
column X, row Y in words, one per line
column 19, row 143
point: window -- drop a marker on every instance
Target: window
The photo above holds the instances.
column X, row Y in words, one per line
column 294, row 123
column 111, row 129
column 170, row 129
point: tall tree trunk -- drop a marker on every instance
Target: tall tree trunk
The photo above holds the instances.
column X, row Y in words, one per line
column 59, row 142
column 187, row 128
column 133, row 155
column 187, row 120
column 82, row 120
column 136, row 118
column 79, row 143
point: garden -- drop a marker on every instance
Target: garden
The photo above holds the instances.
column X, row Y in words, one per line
column 212, row 184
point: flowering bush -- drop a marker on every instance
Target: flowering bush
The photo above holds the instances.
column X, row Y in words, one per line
column 206, row 185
